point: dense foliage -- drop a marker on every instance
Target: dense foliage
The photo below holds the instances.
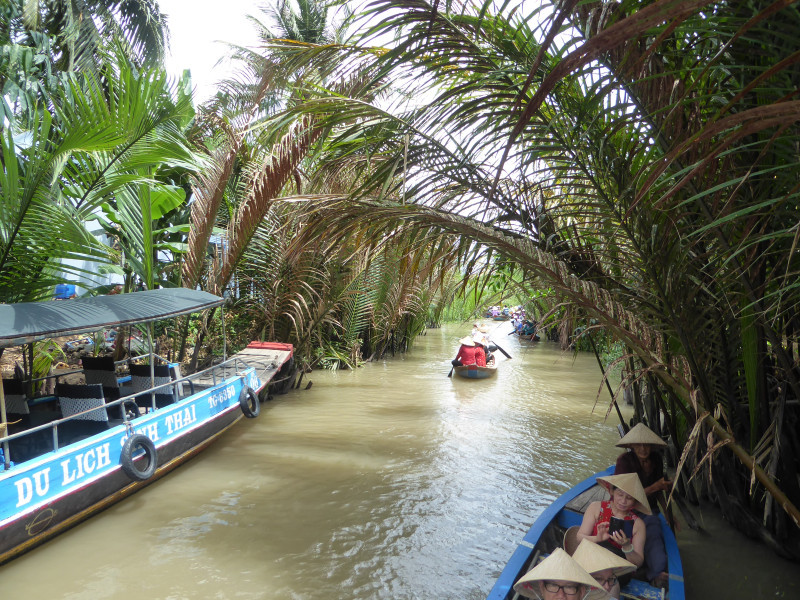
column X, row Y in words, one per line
column 640, row 159
column 636, row 160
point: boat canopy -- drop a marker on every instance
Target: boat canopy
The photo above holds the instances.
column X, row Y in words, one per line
column 32, row 321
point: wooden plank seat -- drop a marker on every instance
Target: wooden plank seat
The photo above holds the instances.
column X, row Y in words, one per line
column 87, row 406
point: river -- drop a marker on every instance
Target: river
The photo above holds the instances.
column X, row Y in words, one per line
column 391, row 481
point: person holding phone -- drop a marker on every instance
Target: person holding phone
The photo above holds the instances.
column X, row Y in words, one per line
column 628, row 535
column 644, row 459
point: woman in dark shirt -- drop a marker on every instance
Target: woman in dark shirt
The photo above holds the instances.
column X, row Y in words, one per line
column 643, row 460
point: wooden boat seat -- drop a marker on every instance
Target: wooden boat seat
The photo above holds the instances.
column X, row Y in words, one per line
column 87, row 406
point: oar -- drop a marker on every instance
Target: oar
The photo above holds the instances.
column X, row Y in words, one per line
column 496, row 345
column 501, row 350
column 450, row 374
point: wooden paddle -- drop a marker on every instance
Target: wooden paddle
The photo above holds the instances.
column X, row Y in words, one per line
column 501, row 350
column 450, row 374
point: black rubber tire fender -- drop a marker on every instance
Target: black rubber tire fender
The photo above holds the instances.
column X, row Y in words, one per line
column 249, row 402
column 126, row 459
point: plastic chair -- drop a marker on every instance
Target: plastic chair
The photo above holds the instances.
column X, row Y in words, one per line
column 141, row 382
column 103, row 370
column 75, row 400
column 16, row 402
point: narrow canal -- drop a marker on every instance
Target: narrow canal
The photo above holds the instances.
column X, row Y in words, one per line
column 393, row 481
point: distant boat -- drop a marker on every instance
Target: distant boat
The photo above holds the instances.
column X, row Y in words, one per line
column 534, row 337
column 475, row 372
column 547, row 533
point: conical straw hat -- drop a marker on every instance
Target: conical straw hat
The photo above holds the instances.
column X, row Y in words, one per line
column 593, row 558
column 558, row 566
column 483, row 328
column 640, row 434
column 479, row 338
column 631, row 485
column 466, row 341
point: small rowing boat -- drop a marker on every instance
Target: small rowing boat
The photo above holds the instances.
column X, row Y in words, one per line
column 475, row 372
column 547, row 533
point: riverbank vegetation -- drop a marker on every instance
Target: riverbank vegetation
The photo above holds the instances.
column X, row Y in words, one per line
column 638, row 160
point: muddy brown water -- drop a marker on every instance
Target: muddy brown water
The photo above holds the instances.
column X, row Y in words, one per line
column 389, row 482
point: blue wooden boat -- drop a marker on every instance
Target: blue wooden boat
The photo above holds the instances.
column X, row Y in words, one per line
column 547, row 533
column 59, row 469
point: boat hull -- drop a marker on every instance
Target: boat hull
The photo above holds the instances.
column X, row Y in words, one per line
column 559, row 514
column 475, row 372
column 47, row 495
column 27, row 530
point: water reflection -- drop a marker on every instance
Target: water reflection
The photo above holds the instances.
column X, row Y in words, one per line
column 393, row 481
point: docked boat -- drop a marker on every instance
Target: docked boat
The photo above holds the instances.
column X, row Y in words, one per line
column 73, row 454
column 475, row 372
column 547, row 533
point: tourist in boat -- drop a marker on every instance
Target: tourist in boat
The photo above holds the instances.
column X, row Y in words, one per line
column 528, row 328
column 466, row 353
column 479, row 328
column 482, row 354
column 602, row 518
column 644, row 459
column 557, row 577
column 605, row 566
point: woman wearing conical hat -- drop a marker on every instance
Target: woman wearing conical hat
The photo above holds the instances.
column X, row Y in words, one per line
column 558, row 577
column 644, row 459
column 467, row 353
column 613, row 523
column 642, row 442
column 604, row 566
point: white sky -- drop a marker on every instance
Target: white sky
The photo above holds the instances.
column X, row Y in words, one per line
column 196, row 29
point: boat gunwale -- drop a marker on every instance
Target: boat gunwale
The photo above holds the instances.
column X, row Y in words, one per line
column 129, row 398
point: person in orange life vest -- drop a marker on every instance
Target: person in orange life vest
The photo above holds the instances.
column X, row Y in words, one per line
column 466, row 353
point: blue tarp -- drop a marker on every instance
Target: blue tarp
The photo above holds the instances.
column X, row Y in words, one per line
column 64, row 291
